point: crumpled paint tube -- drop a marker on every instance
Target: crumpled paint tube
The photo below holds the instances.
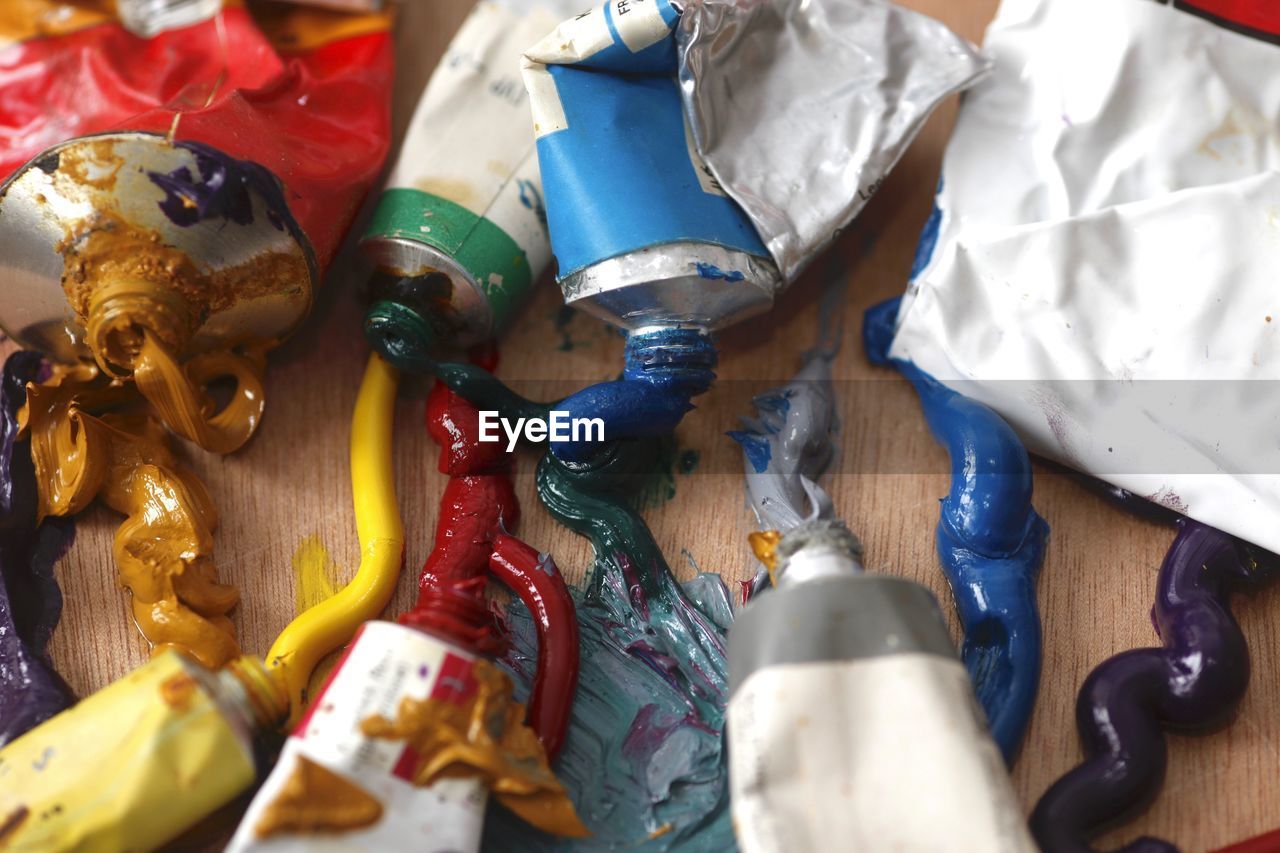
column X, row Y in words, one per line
column 1100, row 271
column 1193, row 684
column 876, row 716
column 990, row 541
column 167, row 195
column 30, row 601
column 685, row 259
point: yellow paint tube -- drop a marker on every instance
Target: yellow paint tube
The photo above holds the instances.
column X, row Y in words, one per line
column 136, row 763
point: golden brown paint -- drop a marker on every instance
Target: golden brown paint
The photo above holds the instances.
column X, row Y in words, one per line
column 140, row 301
column 764, row 544
column 92, row 436
column 315, row 799
column 485, row 738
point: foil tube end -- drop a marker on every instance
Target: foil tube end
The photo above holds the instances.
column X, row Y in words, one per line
column 680, row 284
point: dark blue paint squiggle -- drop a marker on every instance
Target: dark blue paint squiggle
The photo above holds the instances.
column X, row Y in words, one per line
column 990, row 540
column 665, row 369
column 30, row 601
column 1193, row 684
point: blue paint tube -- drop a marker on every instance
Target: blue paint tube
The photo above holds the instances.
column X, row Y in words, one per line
column 642, row 232
column 643, row 235
column 990, row 540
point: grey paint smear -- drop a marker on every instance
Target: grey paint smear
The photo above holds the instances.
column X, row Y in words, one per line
column 789, row 444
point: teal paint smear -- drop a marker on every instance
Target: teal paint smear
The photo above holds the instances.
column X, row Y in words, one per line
column 645, row 759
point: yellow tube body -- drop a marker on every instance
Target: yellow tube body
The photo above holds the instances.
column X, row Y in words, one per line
column 128, row 768
column 326, row 626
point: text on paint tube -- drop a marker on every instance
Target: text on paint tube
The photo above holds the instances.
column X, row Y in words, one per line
column 557, row 426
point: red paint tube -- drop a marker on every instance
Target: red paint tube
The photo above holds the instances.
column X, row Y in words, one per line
column 478, row 507
column 228, row 153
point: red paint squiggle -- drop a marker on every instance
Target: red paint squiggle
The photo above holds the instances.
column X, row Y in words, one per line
column 478, row 508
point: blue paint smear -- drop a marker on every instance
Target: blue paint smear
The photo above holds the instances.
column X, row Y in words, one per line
column 755, row 447
column 706, row 270
column 928, row 238
column 644, row 760
column 990, row 539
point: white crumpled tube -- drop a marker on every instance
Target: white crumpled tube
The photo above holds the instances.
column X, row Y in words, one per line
column 1108, row 239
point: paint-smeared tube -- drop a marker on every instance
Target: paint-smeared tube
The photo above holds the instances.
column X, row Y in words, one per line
column 610, row 125
column 184, row 191
column 400, row 751
column 135, row 764
column 460, row 235
column 1123, row 255
column 851, row 717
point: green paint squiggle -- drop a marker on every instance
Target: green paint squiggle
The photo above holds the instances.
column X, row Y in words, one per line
column 644, row 759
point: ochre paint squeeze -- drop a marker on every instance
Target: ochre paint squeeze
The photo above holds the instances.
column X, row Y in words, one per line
column 94, row 437
column 176, row 725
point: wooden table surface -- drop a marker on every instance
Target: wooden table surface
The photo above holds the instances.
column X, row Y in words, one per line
column 1095, row 588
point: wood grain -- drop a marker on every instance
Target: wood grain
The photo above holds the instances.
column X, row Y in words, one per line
column 1095, row 590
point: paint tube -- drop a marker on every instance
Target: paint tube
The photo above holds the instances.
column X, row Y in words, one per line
column 682, row 259
column 181, row 732
column 613, row 123
column 460, row 234
column 851, row 717
column 610, row 126
column 135, row 764
column 176, row 197
column 399, row 752
column 1123, row 256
